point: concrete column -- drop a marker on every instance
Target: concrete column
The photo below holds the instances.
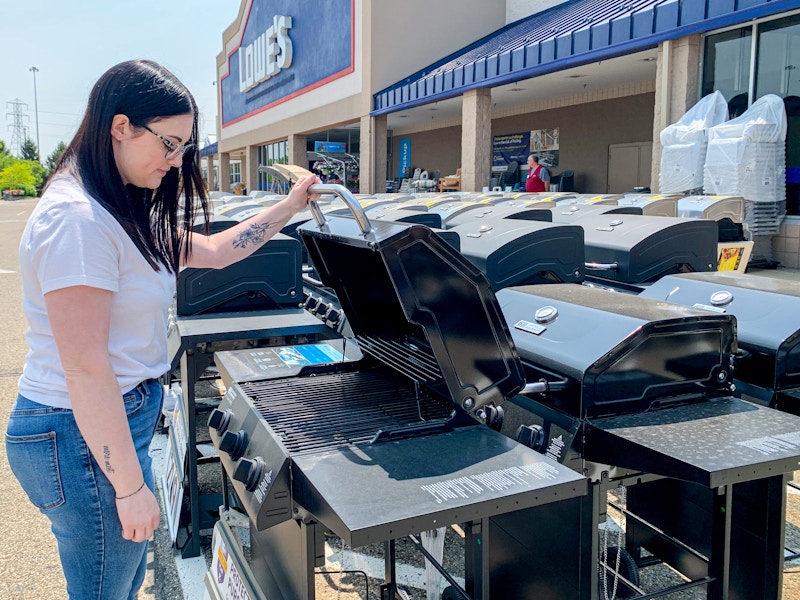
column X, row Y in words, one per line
column 372, row 154
column 225, row 172
column 250, row 168
column 210, row 169
column 476, row 139
column 677, row 89
column 296, row 149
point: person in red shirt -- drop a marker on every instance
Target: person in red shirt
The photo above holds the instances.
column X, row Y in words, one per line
column 538, row 179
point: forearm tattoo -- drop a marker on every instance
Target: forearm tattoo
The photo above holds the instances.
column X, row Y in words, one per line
column 107, row 459
column 254, row 235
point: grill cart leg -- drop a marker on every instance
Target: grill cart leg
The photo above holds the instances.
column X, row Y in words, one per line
column 284, row 556
column 476, row 572
column 547, row 552
column 740, row 528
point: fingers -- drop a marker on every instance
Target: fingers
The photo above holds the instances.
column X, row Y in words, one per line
column 302, row 185
column 139, row 516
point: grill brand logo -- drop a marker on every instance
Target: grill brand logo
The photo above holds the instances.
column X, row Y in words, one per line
column 263, row 487
column 267, row 55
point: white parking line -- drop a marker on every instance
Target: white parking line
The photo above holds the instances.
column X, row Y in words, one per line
column 6, row 271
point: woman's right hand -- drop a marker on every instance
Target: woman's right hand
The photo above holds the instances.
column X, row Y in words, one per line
column 139, row 515
column 299, row 197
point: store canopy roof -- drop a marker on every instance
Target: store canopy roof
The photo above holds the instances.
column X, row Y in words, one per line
column 208, row 150
column 571, row 34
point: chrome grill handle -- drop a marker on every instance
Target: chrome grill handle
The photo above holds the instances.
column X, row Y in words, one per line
column 349, row 200
column 602, row 266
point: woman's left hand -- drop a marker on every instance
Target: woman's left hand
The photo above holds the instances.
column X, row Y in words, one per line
column 299, row 197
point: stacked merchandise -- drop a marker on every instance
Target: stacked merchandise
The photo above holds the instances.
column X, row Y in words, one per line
column 684, row 144
column 747, row 157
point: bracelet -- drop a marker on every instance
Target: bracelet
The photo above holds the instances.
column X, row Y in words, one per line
column 139, row 489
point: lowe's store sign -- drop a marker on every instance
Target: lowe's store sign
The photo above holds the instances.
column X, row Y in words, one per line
column 287, row 48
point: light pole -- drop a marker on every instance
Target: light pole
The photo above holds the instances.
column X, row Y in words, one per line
column 34, row 70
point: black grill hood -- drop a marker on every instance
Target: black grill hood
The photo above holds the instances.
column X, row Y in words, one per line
column 767, row 312
column 517, row 252
column 618, row 353
column 639, row 249
column 417, row 305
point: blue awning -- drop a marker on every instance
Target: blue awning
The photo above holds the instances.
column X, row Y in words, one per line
column 571, row 34
column 208, row 150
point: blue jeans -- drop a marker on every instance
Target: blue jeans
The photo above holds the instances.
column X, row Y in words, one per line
column 61, row 478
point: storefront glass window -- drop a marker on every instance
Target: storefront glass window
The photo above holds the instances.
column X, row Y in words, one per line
column 778, row 72
column 778, row 66
column 727, row 67
column 269, row 155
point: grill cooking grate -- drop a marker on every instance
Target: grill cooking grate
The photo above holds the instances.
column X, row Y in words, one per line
column 325, row 412
column 405, row 358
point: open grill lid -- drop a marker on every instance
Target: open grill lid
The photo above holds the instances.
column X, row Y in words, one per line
column 617, row 353
column 417, row 305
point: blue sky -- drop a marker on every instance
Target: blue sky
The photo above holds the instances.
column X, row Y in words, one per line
column 72, row 42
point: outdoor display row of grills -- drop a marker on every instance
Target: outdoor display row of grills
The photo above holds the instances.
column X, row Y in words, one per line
column 394, row 444
column 622, row 390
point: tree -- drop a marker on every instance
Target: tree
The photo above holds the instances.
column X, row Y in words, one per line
column 3, row 149
column 29, row 150
column 52, row 159
column 19, row 175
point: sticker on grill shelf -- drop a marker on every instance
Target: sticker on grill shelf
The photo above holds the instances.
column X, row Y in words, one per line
column 773, row 444
column 529, row 327
column 490, row 481
column 296, row 356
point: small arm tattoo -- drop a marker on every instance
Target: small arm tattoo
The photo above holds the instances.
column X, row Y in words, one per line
column 253, row 235
column 107, row 459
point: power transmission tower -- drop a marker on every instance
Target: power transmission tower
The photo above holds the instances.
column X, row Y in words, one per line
column 19, row 133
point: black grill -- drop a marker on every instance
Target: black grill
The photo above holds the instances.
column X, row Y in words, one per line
column 637, row 391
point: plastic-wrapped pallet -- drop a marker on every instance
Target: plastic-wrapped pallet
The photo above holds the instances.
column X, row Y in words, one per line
column 746, row 156
column 684, row 143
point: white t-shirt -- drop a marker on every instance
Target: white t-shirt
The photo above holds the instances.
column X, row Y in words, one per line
column 72, row 240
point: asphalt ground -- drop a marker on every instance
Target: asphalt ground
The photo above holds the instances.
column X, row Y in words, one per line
column 29, row 565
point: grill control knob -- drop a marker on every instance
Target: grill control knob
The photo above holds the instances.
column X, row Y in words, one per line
column 219, row 419
column 311, row 304
column 321, row 309
column 234, row 444
column 532, row 436
column 249, row 472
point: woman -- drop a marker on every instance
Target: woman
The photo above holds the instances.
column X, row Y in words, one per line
column 99, row 259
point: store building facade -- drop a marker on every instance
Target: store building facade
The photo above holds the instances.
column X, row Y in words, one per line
column 443, row 85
